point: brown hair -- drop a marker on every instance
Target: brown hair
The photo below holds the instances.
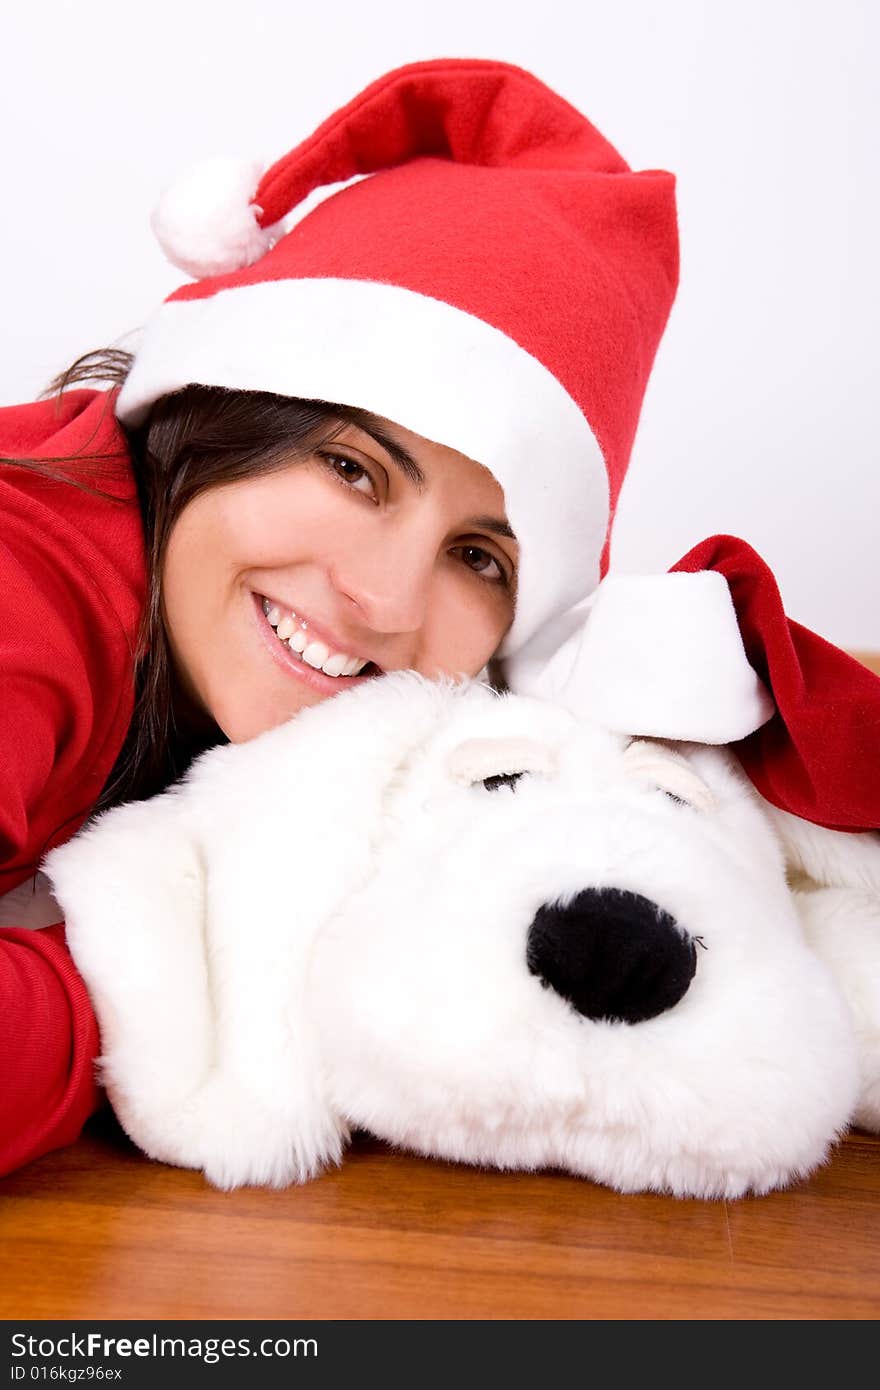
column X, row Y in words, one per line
column 194, row 439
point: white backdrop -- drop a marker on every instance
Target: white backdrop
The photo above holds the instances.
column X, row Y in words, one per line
column 760, row 417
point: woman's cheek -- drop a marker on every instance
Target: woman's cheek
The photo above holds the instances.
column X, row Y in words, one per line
column 290, row 531
column 467, row 626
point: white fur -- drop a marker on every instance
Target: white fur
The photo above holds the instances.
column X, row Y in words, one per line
column 326, row 927
column 683, row 630
column 206, row 220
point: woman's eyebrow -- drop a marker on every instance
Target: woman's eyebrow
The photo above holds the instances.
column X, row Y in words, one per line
column 401, row 456
column 494, row 524
column 408, row 465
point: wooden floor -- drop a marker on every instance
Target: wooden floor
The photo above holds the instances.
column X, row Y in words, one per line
column 98, row 1231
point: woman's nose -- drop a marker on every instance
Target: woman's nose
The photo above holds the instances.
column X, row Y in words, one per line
column 389, row 580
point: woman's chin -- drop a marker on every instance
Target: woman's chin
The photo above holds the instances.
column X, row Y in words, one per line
column 242, row 726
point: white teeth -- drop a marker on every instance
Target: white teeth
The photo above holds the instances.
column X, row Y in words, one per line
column 316, row 654
column 289, row 629
column 336, row 664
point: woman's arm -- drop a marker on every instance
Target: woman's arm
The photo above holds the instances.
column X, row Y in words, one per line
column 48, row 1040
column 48, row 1031
column 70, row 593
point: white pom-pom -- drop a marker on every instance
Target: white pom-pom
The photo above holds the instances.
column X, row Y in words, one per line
column 206, row 220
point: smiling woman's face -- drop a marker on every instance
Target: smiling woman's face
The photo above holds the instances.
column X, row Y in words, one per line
column 396, row 553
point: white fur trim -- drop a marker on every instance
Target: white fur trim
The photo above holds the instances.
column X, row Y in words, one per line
column 656, row 655
column 206, row 220
column 432, row 368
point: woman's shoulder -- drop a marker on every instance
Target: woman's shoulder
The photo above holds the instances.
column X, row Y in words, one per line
column 78, row 508
column 30, row 421
column 72, row 591
column 78, row 427
column 73, row 571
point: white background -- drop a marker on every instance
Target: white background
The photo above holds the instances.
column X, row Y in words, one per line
column 760, row 418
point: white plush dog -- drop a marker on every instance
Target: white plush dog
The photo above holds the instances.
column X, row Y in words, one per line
column 481, row 929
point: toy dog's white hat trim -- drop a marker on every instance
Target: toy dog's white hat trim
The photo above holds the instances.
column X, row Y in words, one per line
column 655, row 655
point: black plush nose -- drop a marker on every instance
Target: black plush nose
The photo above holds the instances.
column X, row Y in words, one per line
column 611, row 954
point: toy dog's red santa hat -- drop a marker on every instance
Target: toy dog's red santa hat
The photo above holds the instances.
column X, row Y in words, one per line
column 500, row 284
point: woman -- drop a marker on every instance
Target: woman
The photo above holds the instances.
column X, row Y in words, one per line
column 392, row 437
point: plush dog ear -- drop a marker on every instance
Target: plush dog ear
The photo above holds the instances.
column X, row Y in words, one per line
column 131, row 886
column 830, row 858
column 176, row 1020
column 836, row 878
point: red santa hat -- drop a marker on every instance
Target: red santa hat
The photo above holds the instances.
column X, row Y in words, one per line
column 499, row 284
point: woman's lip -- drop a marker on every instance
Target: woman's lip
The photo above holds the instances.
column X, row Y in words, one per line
column 315, row 630
column 291, row 664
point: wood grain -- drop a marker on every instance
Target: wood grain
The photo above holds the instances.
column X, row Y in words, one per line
column 98, row 1231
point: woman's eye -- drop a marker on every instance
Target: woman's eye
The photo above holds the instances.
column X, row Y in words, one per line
column 351, row 473
column 476, row 558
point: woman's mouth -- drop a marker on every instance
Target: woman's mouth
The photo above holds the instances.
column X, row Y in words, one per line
column 303, row 656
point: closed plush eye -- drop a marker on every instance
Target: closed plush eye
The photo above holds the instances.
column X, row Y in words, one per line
column 502, row 779
column 679, row 800
column 658, row 765
column 499, row 762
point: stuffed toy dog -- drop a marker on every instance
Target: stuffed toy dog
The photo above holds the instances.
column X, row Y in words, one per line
column 482, row 929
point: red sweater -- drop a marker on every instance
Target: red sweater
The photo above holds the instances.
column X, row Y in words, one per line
column 72, row 588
